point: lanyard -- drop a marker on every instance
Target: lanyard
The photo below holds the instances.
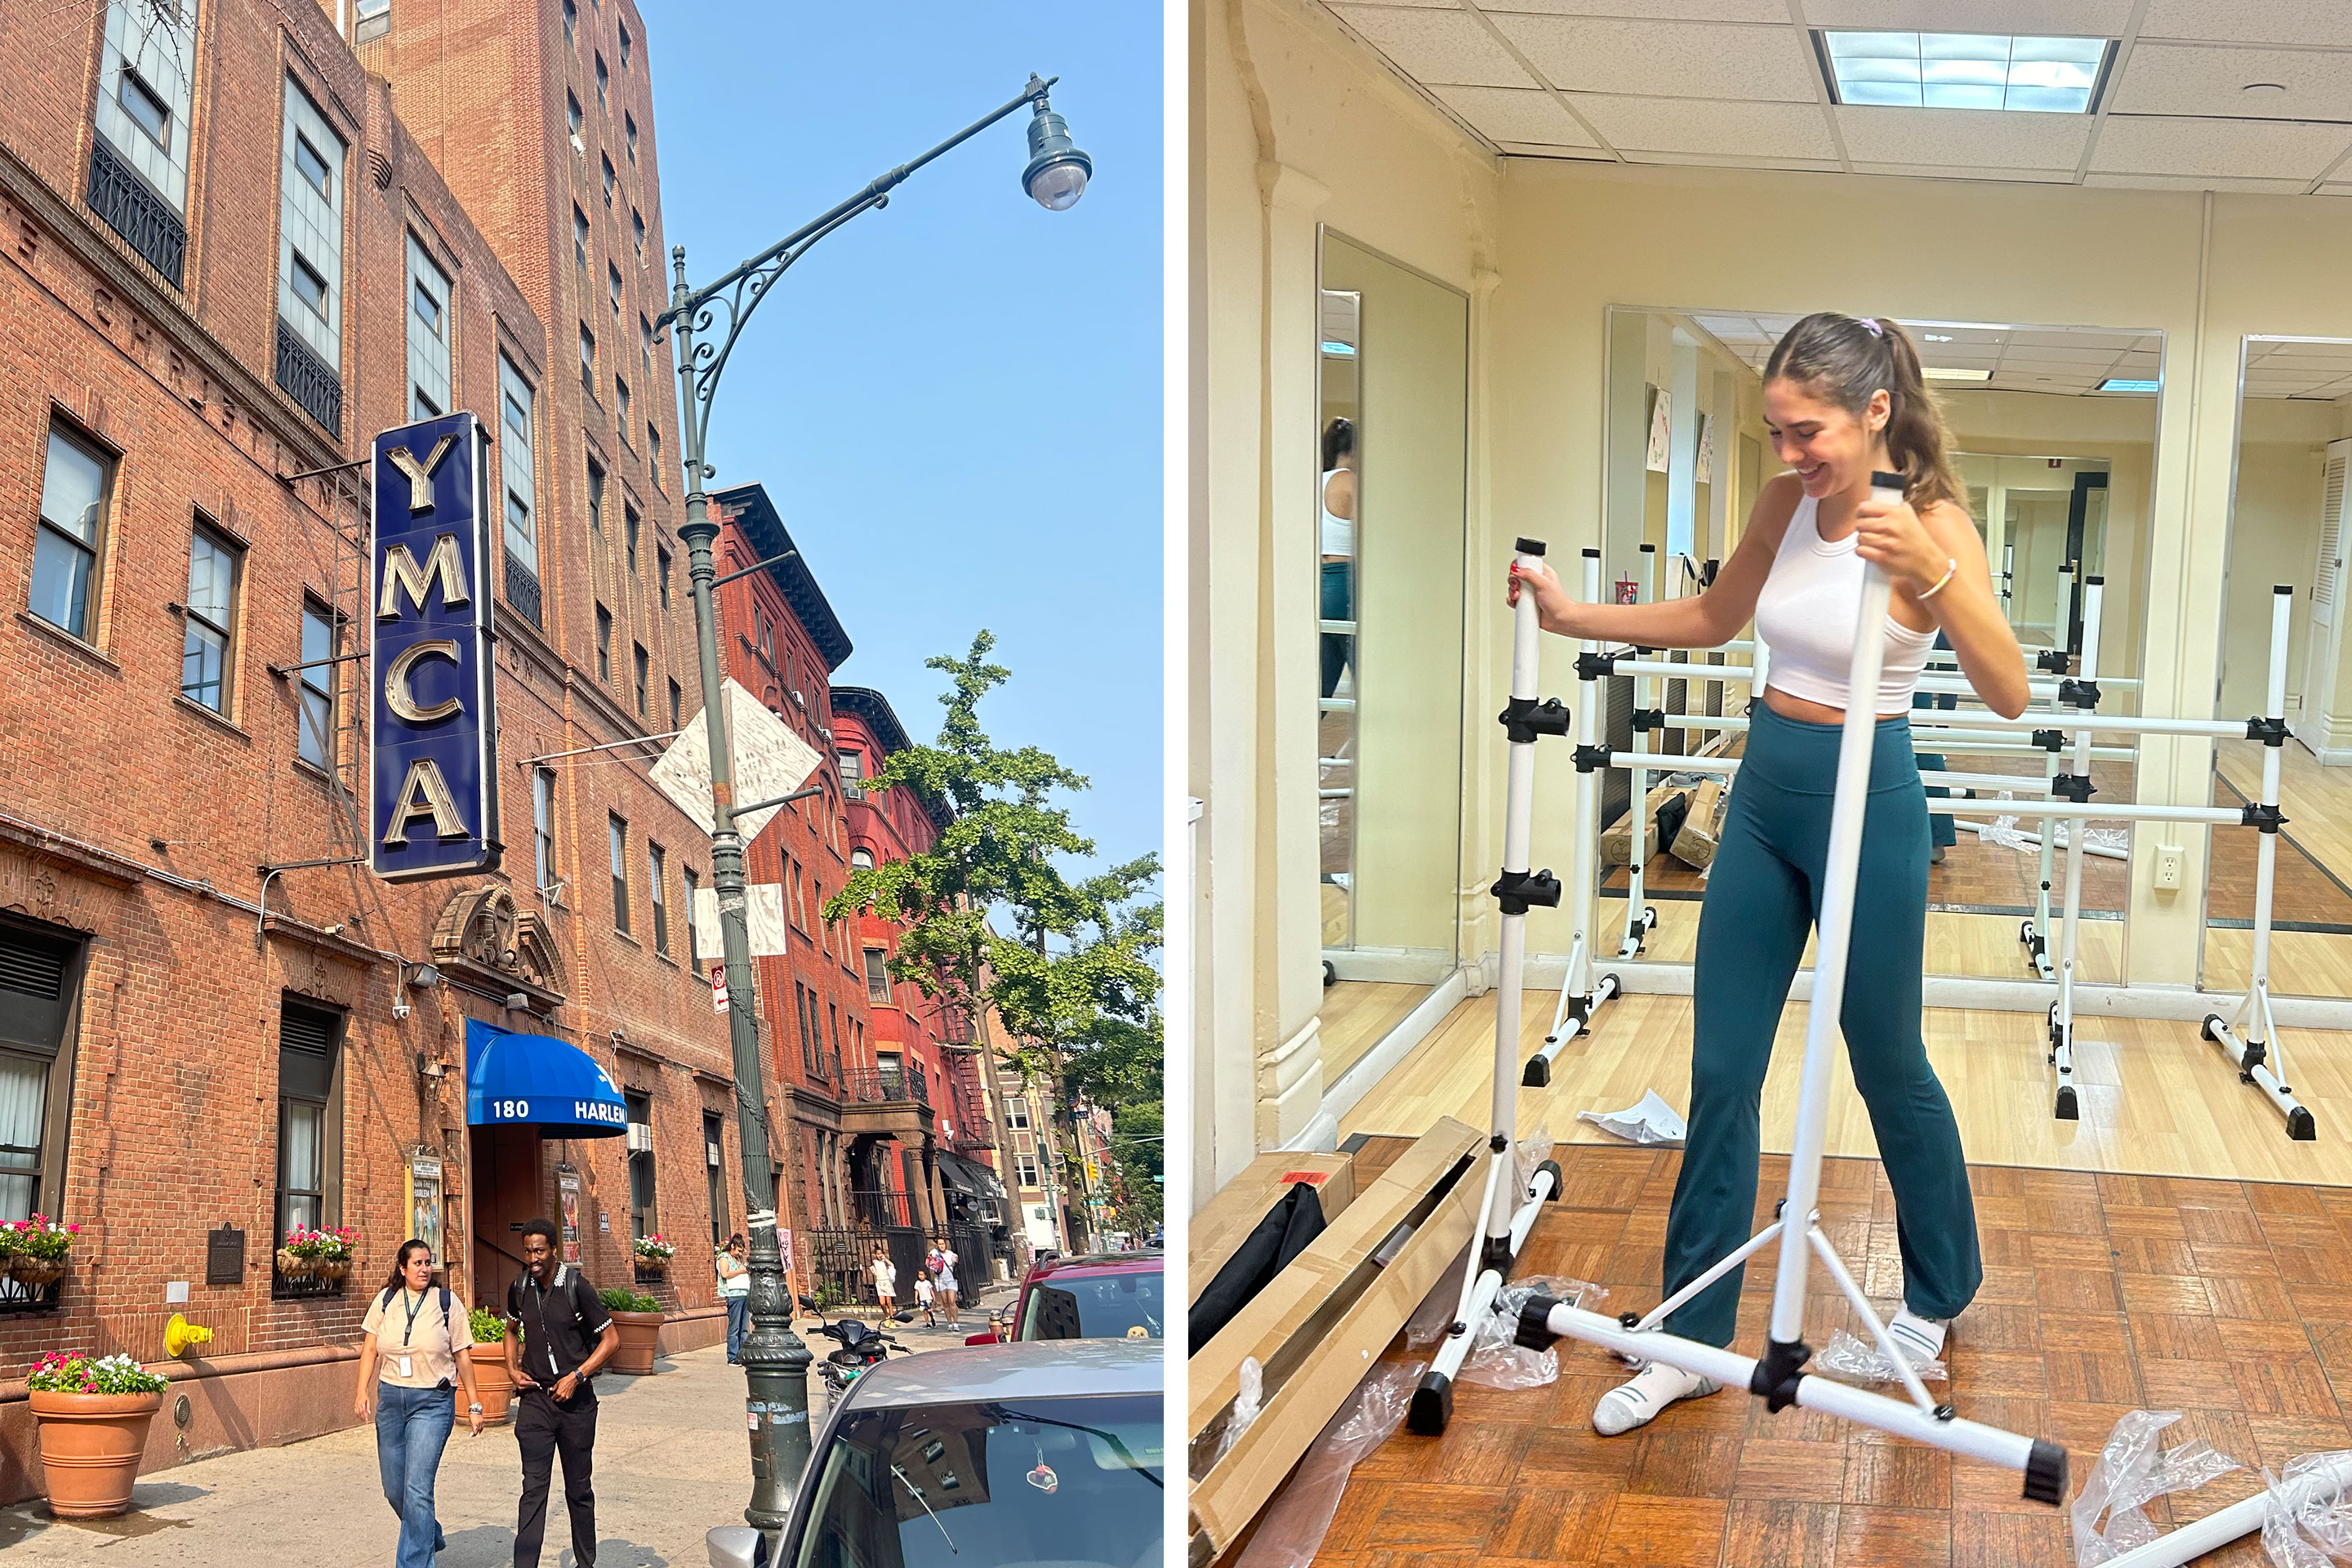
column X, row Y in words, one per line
column 412, row 1314
column 539, row 1298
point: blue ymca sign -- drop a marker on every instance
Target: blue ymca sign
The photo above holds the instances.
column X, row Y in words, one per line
column 432, row 738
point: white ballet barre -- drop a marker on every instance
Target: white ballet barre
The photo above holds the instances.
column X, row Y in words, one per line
column 1930, row 738
column 2077, row 782
column 1778, row 1376
column 2176, row 1547
column 1640, row 918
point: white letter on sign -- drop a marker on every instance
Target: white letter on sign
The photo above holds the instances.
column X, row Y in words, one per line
column 420, row 475
column 425, row 793
column 400, row 570
column 402, row 701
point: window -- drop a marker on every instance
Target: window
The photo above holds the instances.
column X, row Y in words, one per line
column 579, row 240
column 812, row 1048
column 642, row 1220
column 145, row 109
column 620, row 832
column 315, row 745
column 571, row 111
column 767, row 640
column 1016, row 1114
column 1024, row 1170
column 643, row 682
column 205, row 661
column 625, row 46
column 853, row 773
column 571, row 21
column 311, row 261
column 40, row 975
column 596, row 496
column 604, row 645
column 603, row 79
column 693, row 939
column 373, row 20
column 609, row 180
column 69, row 540
column 428, row 334
column 661, row 573
column 653, row 446
column 621, row 402
column 587, row 359
column 657, row 870
column 800, row 909
column 878, row 978
column 629, row 526
column 542, row 826
column 613, row 287
column 714, row 1158
column 637, row 227
column 893, row 1071
column 646, row 345
column 310, row 1130
column 629, row 128
column 861, row 859
column 674, row 697
column 516, row 403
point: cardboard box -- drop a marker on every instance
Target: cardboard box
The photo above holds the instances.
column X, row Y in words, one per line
column 1225, row 1221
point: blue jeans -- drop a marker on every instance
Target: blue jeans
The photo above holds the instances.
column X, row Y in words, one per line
column 739, row 1324
column 412, row 1428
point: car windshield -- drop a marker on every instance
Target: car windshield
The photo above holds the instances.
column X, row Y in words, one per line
column 1125, row 1305
column 1076, row 1483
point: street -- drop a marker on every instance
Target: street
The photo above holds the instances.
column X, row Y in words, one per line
column 671, row 1462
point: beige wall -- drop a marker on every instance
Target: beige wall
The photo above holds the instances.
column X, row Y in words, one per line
column 2274, row 539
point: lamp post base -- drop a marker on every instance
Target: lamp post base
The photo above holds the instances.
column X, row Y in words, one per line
column 775, row 1368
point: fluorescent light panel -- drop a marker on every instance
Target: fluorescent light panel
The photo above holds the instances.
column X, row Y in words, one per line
column 1952, row 373
column 2126, row 383
column 1964, row 70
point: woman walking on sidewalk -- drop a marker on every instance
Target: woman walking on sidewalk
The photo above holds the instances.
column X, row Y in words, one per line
column 735, row 1290
column 417, row 1346
column 944, row 1284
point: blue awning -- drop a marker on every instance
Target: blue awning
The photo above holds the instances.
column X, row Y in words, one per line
column 514, row 1080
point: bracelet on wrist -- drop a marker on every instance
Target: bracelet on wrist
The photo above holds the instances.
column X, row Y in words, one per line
column 1951, row 568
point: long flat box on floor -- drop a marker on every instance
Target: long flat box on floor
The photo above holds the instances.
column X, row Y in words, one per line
column 1225, row 1221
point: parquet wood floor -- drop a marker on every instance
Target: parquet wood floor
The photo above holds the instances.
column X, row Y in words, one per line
column 2230, row 1302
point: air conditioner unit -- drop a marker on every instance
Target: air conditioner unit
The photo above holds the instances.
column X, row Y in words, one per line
column 640, row 1139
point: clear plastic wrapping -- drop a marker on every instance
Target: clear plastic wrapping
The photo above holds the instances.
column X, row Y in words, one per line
column 2308, row 1521
column 2134, row 1470
column 1496, row 1360
column 1291, row 1529
column 1854, row 1356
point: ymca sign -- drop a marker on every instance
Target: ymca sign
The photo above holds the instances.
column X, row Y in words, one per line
column 432, row 736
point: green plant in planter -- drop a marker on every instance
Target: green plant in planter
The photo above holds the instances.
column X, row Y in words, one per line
column 58, row 1373
column 489, row 1328
column 618, row 1301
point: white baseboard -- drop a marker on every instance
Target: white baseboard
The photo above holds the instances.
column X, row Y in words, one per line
column 1390, row 965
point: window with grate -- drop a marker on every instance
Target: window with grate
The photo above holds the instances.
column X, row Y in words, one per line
column 139, row 159
column 311, row 261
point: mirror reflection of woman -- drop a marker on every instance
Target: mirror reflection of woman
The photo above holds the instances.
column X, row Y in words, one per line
column 1842, row 397
column 1335, row 527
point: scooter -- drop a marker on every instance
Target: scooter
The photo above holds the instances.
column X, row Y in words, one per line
column 861, row 1347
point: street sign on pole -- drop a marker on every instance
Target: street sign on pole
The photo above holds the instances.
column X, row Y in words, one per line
column 770, row 763
column 719, row 988
column 432, row 732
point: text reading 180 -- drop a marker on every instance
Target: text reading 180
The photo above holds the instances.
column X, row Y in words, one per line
column 505, row 1108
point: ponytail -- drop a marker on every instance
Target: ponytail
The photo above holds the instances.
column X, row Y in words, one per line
column 1843, row 360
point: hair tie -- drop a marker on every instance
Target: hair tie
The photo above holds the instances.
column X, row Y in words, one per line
column 1875, row 328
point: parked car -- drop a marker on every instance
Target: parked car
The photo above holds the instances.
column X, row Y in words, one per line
column 983, row 1459
column 1094, row 1296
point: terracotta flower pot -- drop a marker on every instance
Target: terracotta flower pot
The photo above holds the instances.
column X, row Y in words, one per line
column 492, row 1380
column 639, row 1331
column 91, row 1445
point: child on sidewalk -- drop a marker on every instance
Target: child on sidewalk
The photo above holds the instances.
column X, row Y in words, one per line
column 923, row 1297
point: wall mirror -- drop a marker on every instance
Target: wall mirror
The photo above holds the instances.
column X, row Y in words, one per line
column 2054, row 434
column 2286, row 515
column 1391, row 515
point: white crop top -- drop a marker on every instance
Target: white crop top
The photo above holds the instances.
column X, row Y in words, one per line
column 1806, row 615
column 1339, row 533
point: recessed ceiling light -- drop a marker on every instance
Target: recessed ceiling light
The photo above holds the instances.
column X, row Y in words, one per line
column 1953, row 373
column 2263, row 87
column 2126, row 383
column 1964, row 70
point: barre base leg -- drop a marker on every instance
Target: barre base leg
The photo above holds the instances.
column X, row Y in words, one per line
column 1432, row 1397
column 1575, row 1019
column 2251, row 1057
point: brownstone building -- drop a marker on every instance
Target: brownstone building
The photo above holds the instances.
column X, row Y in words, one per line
column 238, row 243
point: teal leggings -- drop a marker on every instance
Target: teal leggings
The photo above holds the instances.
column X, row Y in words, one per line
column 1762, row 897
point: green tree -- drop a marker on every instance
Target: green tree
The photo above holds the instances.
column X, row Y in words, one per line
column 1121, row 1069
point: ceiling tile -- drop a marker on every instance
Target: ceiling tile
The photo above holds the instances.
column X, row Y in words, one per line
column 2235, row 21
column 1790, row 163
column 1775, row 11
column 1666, row 59
column 1516, row 114
column 2250, row 149
column 1432, row 46
column 2190, row 78
column 2071, row 17
column 2336, row 188
column 2192, row 183
column 1963, row 136
column 1704, row 125
column 1968, row 172
column 2066, row 343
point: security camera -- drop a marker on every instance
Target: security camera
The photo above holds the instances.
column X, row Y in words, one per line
column 518, row 1001
column 335, row 929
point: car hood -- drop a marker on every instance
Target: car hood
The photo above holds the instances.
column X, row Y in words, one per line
column 1036, row 1369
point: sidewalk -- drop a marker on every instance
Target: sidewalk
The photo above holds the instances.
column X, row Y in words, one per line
column 672, row 1461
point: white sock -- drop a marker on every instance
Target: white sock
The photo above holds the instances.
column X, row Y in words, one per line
column 1920, row 1338
column 1638, row 1402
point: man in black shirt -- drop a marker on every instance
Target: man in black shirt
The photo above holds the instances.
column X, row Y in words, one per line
column 558, row 1336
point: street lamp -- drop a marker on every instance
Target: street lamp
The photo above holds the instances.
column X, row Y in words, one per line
column 775, row 1360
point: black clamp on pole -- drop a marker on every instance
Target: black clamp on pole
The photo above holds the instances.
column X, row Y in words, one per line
column 2268, row 732
column 2079, row 693
column 1518, row 891
column 1645, row 719
column 1590, row 757
column 1596, row 665
column 1523, row 718
column 2076, row 787
column 1778, row 1373
column 2050, row 739
column 2053, row 661
column 2266, row 817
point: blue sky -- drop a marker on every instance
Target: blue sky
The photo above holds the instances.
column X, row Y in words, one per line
column 955, row 402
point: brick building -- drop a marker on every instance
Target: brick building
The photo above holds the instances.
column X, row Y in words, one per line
column 205, row 1034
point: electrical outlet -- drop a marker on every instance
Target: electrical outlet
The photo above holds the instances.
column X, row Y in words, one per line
column 2167, row 867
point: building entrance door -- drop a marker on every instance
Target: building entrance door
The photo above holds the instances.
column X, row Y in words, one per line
column 509, row 1188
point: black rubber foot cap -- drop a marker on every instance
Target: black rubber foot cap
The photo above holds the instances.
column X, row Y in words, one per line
column 1535, row 1324
column 2211, row 1027
column 2045, row 1474
column 2066, row 1110
column 1553, row 1166
column 1432, row 1405
column 2299, row 1125
column 1538, row 1076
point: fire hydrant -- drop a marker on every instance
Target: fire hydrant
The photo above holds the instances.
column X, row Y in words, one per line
column 181, row 1336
